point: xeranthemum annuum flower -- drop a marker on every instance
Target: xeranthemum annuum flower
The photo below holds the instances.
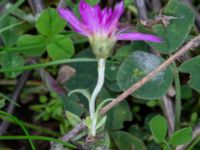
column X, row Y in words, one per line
column 102, row 28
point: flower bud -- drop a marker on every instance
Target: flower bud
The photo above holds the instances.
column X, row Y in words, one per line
column 102, row 47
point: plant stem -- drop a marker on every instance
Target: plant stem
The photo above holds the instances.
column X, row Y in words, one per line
column 43, row 65
column 178, row 97
column 97, row 89
column 11, row 26
column 18, row 88
column 40, row 138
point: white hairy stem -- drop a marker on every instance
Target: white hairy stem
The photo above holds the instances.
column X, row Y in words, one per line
column 99, row 85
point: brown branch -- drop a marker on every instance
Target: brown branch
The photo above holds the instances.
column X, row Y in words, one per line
column 36, row 5
column 141, row 7
column 190, row 45
column 156, row 5
column 167, row 108
column 18, row 88
column 80, row 127
column 62, row 3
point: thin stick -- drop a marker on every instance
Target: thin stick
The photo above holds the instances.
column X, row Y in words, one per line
column 18, row 88
column 62, row 3
column 73, row 132
column 36, row 5
column 142, row 9
column 190, row 45
column 156, row 5
column 167, row 108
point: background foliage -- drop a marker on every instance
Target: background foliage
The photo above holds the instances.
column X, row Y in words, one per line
column 42, row 60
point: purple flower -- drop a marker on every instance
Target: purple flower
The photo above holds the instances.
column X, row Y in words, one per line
column 101, row 26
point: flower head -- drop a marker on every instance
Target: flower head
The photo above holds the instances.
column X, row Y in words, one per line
column 101, row 26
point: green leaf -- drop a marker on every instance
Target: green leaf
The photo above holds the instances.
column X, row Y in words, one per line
column 101, row 104
column 136, row 66
column 176, row 32
column 137, row 131
column 128, row 2
column 88, row 122
column 158, row 126
column 73, row 119
column 111, row 71
column 10, row 36
column 101, row 122
column 181, row 136
column 50, row 23
column 167, row 147
column 186, row 92
column 194, row 117
column 126, row 141
column 91, row 66
column 73, row 104
column 62, row 49
column 84, row 92
column 192, row 67
column 92, row 2
column 123, row 52
column 112, row 85
column 80, row 81
column 2, row 103
column 12, row 60
column 35, row 44
column 118, row 115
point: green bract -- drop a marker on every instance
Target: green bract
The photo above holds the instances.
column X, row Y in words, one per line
column 102, row 47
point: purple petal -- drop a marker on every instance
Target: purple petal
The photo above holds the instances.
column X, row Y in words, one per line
column 139, row 37
column 90, row 15
column 105, row 16
column 112, row 22
column 72, row 20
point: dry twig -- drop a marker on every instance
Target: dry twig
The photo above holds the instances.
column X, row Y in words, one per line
column 18, row 88
column 167, row 107
column 73, row 132
column 142, row 9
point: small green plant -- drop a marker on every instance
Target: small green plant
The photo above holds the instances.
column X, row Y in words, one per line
column 51, row 108
column 158, row 126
